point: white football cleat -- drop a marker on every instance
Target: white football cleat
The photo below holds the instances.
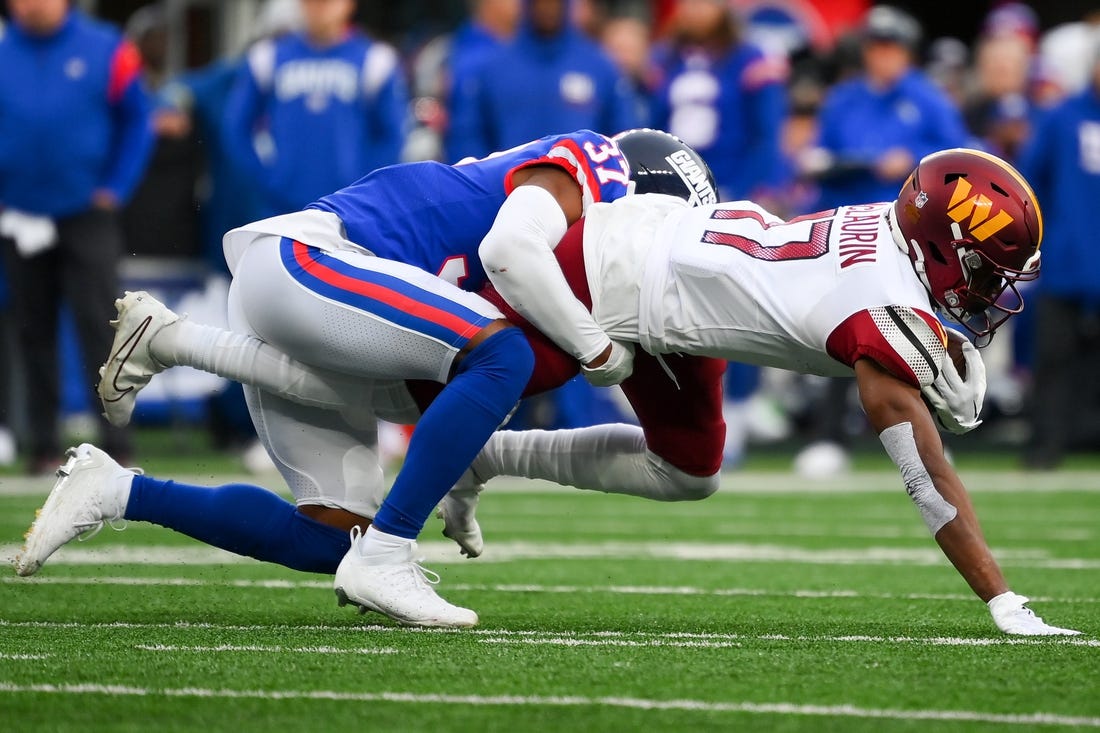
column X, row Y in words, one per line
column 396, row 585
column 457, row 510
column 1013, row 617
column 131, row 365
column 90, row 490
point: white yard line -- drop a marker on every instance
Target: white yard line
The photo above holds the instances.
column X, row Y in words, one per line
column 648, row 590
column 574, row 641
column 733, row 482
column 771, row 708
column 704, row 643
column 24, row 657
column 260, row 648
column 509, row 551
column 589, row 638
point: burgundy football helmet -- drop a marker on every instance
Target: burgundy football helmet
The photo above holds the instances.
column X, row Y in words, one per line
column 971, row 225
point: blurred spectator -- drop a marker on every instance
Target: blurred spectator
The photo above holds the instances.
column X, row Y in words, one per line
column 725, row 97
column 998, row 110
column 446, row 62
column 161, row 218
column 315, row 110
column 873, row 128
column 1062, row 162
column 75, row 138
column 1012, row 19
column 948, row 66
column 626, row 40
column 228, row 195
column 1065, row 52
column 551, row 79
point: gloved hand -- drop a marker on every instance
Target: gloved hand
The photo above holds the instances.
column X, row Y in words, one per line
column 957, row 401
column 617, row 367
column 1013, row 617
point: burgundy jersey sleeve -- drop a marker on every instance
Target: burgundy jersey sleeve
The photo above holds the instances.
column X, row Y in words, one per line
column 909, row 343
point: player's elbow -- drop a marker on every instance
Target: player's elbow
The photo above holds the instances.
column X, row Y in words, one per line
column 493, row 252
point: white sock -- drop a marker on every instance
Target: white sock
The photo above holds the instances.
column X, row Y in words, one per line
column 611, row 458
column 248, row 360
column 374, row 543
column 119, row 494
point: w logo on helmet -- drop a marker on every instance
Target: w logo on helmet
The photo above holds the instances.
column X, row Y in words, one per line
column 977, row 208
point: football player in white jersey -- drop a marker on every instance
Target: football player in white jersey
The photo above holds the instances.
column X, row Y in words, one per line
column 851, row 290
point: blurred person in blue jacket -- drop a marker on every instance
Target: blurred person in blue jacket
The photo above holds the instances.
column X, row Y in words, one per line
column 75, row 138
column 626, row 36
column 1062, row 159
column 872, row 129
column 550, row 79
column 725, row 97
column 1000, row 108
column 315, row 110
column 875, row 126
column 445, row 62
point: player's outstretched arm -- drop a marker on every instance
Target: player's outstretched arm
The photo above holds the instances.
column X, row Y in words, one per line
column 518, row 255
column 906, row 429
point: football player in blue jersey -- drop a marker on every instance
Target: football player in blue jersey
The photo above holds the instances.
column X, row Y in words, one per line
column 374, row 283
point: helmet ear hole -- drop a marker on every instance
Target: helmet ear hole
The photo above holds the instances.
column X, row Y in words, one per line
column 937, row 255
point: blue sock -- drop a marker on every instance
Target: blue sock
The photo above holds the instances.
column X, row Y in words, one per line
column 448, row 436
column 247, row 520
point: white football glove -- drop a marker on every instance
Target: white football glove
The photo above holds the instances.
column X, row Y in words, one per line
column 957, row 401
column 1013, row 617
column 618, row 366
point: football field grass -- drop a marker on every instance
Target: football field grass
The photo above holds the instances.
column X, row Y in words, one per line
column 776, row 604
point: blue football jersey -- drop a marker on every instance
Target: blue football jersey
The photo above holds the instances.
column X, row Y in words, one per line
column 434, row 216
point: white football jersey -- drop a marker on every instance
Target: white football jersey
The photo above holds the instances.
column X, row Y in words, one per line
column 731, row 280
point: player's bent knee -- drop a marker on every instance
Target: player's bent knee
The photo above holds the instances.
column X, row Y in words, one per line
column 686, row 487
column 675, row 484
column 501, row 347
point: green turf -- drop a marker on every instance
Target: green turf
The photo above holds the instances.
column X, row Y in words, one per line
column 773, row 605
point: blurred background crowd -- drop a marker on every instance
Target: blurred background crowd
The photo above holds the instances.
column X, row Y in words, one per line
column 134, row 133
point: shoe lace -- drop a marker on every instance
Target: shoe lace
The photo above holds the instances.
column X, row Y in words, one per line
column 354, row 535
column 424, row 577
column 91, row 529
